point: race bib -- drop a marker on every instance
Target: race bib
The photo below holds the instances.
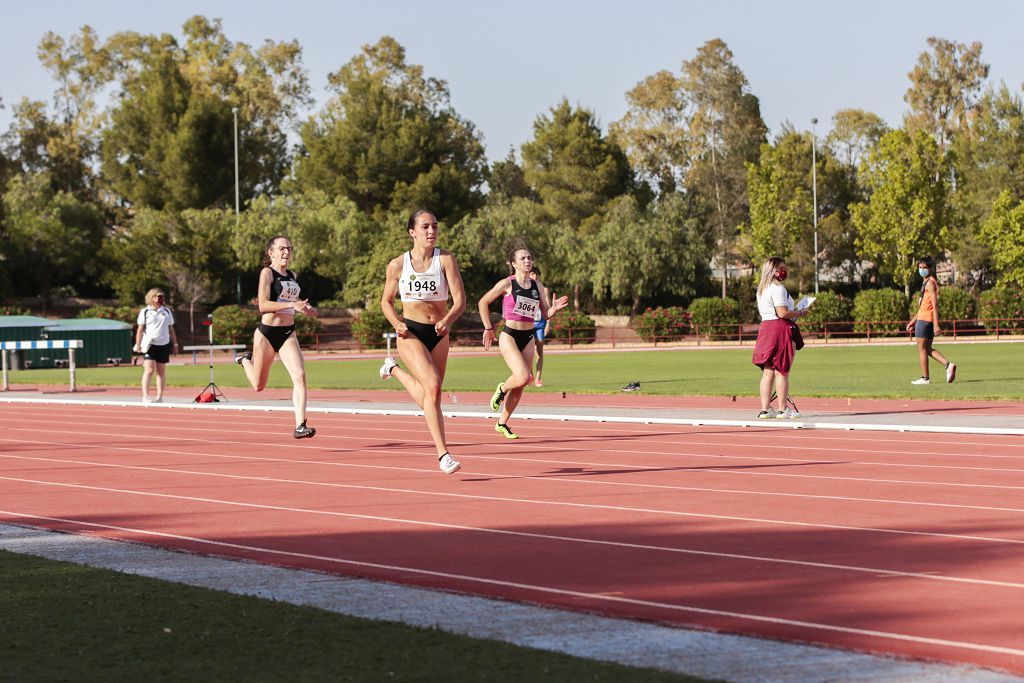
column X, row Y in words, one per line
column 422, row 285
column 526, row 307
column 289, row 291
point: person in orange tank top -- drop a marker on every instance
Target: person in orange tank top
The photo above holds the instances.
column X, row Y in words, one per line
column 925, row 323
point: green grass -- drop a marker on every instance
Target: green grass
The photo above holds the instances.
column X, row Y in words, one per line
column 65, row 622
column 986, row 371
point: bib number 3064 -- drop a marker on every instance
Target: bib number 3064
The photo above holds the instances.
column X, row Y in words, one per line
column 526, row 307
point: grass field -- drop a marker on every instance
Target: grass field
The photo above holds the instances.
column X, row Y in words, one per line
column 65, row 622
column 986, row 371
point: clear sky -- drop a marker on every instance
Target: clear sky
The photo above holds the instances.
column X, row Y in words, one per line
column 508, row 62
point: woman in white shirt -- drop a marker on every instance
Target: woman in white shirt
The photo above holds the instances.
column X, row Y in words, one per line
column 155, row 339
column 774, row 350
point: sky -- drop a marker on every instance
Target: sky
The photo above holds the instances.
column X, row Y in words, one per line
column 507, row 63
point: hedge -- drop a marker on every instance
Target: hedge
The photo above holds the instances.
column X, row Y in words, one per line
column 658, row 324
column 714, row 317
column 582, row 326
column 1001, row 302
column 831, row 308
column 886, row 309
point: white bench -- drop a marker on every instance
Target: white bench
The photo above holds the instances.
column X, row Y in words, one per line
column 211, row 348
column 43, row 344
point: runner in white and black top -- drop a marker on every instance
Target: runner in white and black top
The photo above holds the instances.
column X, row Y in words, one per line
column 423, row 277
column 279, row 300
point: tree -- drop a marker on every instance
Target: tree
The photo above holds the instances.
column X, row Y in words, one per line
column 170, row 142
column 854, row 133
column 654, row 132
column 908, row 214
column 781, row 190
column 572, row 166
column 990, row 160
column 507, row 179
column 52, row 235
column 665, row 251
column 390, row 139
column 483, row 242
column 726, row 131
column 329, row 235
column 1004, row 233
column 945, row 85
column 576, row 171
column 168, row 247
column 62, row 140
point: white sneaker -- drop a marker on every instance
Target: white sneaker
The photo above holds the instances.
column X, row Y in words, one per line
column 767, row 414
column 950, row 373
column 448, row 464
column 389, row 365
column 788, row 414
column 922, row 380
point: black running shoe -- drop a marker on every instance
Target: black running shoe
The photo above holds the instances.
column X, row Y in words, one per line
column 303, row 432
column 243, row 356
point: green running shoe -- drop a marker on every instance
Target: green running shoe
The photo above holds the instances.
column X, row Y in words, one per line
column 505, row 431
column 497, row 398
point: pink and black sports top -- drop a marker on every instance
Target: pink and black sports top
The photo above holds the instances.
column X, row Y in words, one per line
column 521, row 303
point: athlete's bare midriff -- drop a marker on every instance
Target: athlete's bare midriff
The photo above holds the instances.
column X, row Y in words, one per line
column 425, row 311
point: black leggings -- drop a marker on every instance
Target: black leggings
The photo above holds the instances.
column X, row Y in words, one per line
column 277, row 336
column 521, row 337
column 425, row 332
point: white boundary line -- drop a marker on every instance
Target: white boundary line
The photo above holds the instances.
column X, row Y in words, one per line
column 693, row 422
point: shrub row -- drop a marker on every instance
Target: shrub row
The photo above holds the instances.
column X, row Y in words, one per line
column 712, row 317
column 886, row 309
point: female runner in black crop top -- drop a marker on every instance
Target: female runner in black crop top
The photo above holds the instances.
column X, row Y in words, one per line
column 279, row 300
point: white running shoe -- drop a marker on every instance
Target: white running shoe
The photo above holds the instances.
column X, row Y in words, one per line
column 788, row 414
column 448, row 464
column 387, row 368
column 950, row 373
column 922, row 380
column 767, row 414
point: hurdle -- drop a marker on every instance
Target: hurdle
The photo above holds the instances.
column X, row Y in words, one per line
column 44, row 344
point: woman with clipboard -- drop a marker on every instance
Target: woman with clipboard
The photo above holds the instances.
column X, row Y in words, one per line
column 775, row 348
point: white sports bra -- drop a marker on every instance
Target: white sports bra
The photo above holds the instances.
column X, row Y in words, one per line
column 429, row 286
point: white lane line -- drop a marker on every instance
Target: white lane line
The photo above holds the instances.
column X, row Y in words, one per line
column 685, row 440
column 754, row 422
column 556, row 537
column 605, row 429
column 564, row 504
column 550, row 590
column 565, row 477
column 541, row 447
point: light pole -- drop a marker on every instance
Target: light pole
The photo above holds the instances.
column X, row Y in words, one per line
column 234, row 114
column 238, row 279
column 814, row 191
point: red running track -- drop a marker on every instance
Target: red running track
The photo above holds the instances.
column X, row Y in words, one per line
column 909, row 544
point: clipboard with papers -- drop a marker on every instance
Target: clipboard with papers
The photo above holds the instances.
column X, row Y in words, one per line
column 806, row 302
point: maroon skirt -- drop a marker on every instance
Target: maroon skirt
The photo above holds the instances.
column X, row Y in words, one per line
column 774, row 348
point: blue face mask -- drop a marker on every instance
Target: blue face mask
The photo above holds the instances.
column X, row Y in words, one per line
column 923, row 272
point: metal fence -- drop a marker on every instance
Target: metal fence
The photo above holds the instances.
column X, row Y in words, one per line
column 742, row 333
